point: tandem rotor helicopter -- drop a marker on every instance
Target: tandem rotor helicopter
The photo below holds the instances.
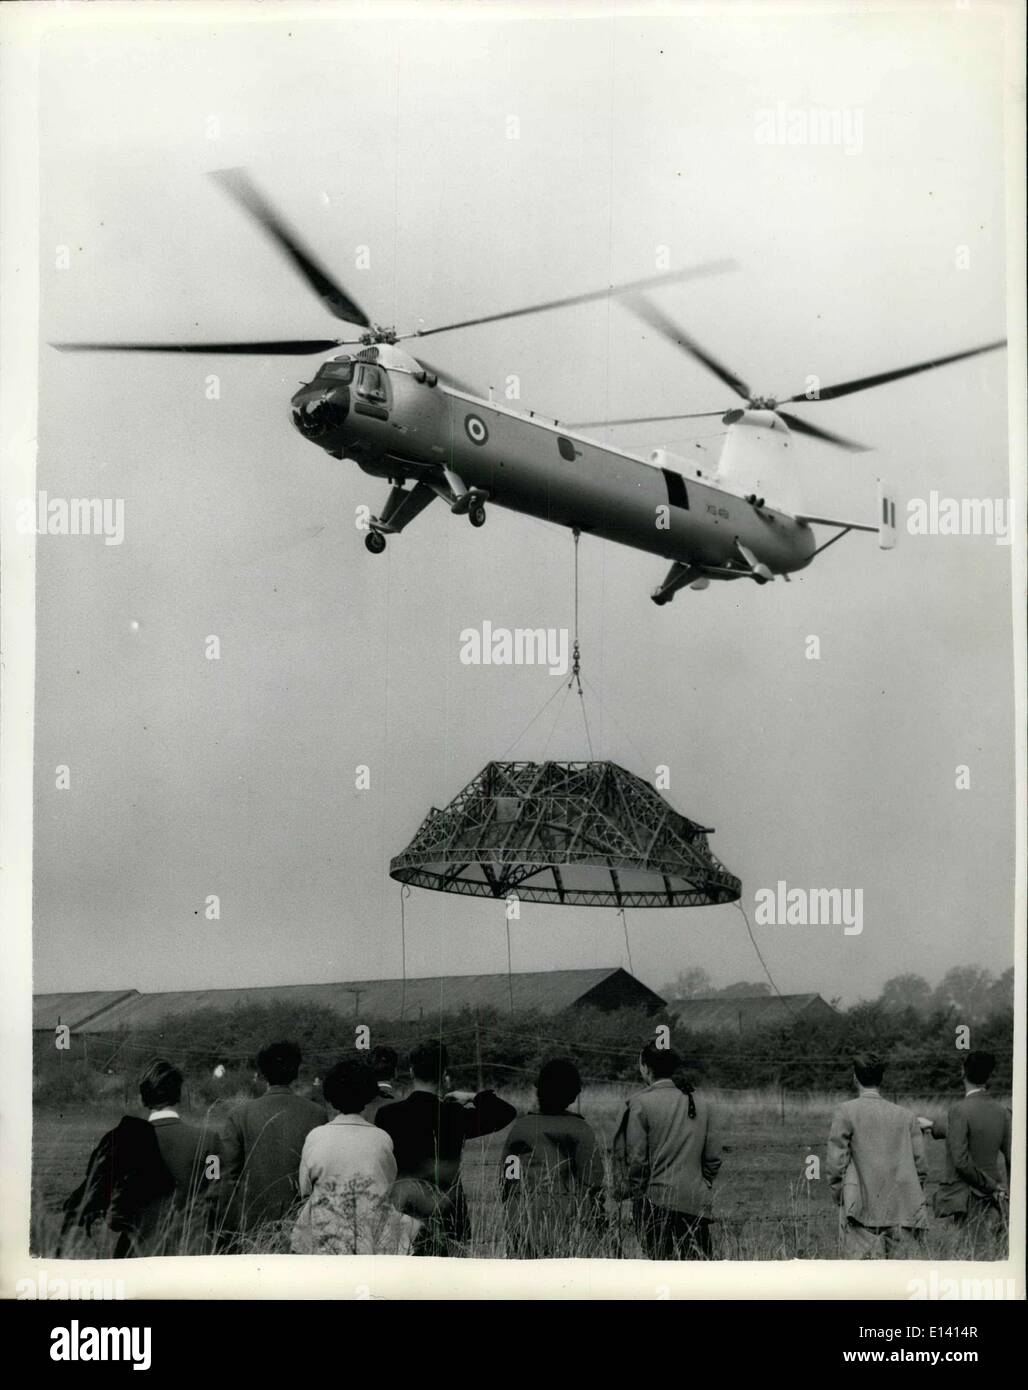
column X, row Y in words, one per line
column 430, row 436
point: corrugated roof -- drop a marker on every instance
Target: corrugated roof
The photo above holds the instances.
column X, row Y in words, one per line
column 547, row 990
column 73, row 1008
column 746, row 1011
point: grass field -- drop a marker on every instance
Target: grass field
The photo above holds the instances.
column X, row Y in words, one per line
column 765, row 1208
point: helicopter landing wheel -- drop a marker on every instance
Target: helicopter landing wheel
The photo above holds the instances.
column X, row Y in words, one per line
column 375, row 541
column 476, row 515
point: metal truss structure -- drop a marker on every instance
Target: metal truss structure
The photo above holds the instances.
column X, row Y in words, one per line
column 584, row 834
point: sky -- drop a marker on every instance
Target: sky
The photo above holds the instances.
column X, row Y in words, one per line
column 235, row 777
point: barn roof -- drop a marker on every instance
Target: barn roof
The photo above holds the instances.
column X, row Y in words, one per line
column 733, row 1011
column 547, row 990
column 74, row 1008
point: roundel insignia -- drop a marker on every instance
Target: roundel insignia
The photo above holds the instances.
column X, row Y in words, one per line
column 475, row 429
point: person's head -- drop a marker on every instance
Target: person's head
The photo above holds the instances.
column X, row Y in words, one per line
column 558, row 1084
column 279, row 1063
column 350, row 1086
column 868, row 1068
column 160, row 1085
column 658, row 1063
column 383, row 1063
column 978, row 1067
column 661, row 1064
column 429, row 1063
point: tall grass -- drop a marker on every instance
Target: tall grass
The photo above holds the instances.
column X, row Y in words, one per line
column 764, row 1207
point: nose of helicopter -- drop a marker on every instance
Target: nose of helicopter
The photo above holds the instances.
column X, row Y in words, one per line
column 318, row 412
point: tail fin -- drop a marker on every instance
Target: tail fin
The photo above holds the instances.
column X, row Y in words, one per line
column 886, row 518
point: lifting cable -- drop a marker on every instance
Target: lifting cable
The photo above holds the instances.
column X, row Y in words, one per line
column 576, row 658
column 575, row 680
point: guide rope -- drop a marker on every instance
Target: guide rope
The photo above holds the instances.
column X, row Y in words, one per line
column 404, row 895
column 767, row 972
column 628, row 946
column 510, row 976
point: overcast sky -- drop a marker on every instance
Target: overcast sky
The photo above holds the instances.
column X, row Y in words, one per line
column 235, row 777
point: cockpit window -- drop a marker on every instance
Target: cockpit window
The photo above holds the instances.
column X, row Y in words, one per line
column 337, row 371
column 372, row 383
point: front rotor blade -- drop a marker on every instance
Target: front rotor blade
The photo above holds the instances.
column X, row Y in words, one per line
column 641, row 419
column 864, row 383
column 279, row 347
column 696, row 272
column 660, row 323
column 332, row 295
column 801, row 427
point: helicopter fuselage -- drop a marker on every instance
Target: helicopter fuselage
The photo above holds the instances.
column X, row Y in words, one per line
column 384, row 412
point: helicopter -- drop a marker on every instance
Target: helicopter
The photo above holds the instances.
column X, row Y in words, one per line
column 431, row 436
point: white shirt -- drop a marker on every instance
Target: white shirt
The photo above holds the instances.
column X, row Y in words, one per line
column 166, row 1114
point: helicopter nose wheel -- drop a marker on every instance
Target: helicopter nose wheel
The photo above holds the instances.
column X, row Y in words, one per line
column 476, row 515
column 375, row 542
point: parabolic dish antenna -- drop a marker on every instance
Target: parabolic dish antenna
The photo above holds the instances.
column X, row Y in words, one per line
column 566, row 833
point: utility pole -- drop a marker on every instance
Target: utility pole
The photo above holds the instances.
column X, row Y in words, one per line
column 478, row 1050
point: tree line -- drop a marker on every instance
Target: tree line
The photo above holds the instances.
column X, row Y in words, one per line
column 492, row 1048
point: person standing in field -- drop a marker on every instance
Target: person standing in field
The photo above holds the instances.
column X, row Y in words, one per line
column 667, row 1154
column 383, row 1066
column 347, row 1170
column 977, row 1132
column 876, row 1168
column 263, row 1141
column 552, row 1172
column 156, row 1182
column 429, row 1130
column 125, row 1178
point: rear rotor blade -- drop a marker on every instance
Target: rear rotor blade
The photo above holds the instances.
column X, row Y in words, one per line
column 660, row 323
column 279, row 347
column 864, row 383
column 641, row 419
column 695, row 272
column 801, row 427
column 332, row 295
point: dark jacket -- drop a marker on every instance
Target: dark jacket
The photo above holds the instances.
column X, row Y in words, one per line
column 977, row 1131
column 429, row 1133
column 552, row 1186
column 428, row 1136
column 125, row 1176
column 557, row 1156
column 187, row 1149
column 262, row 1144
